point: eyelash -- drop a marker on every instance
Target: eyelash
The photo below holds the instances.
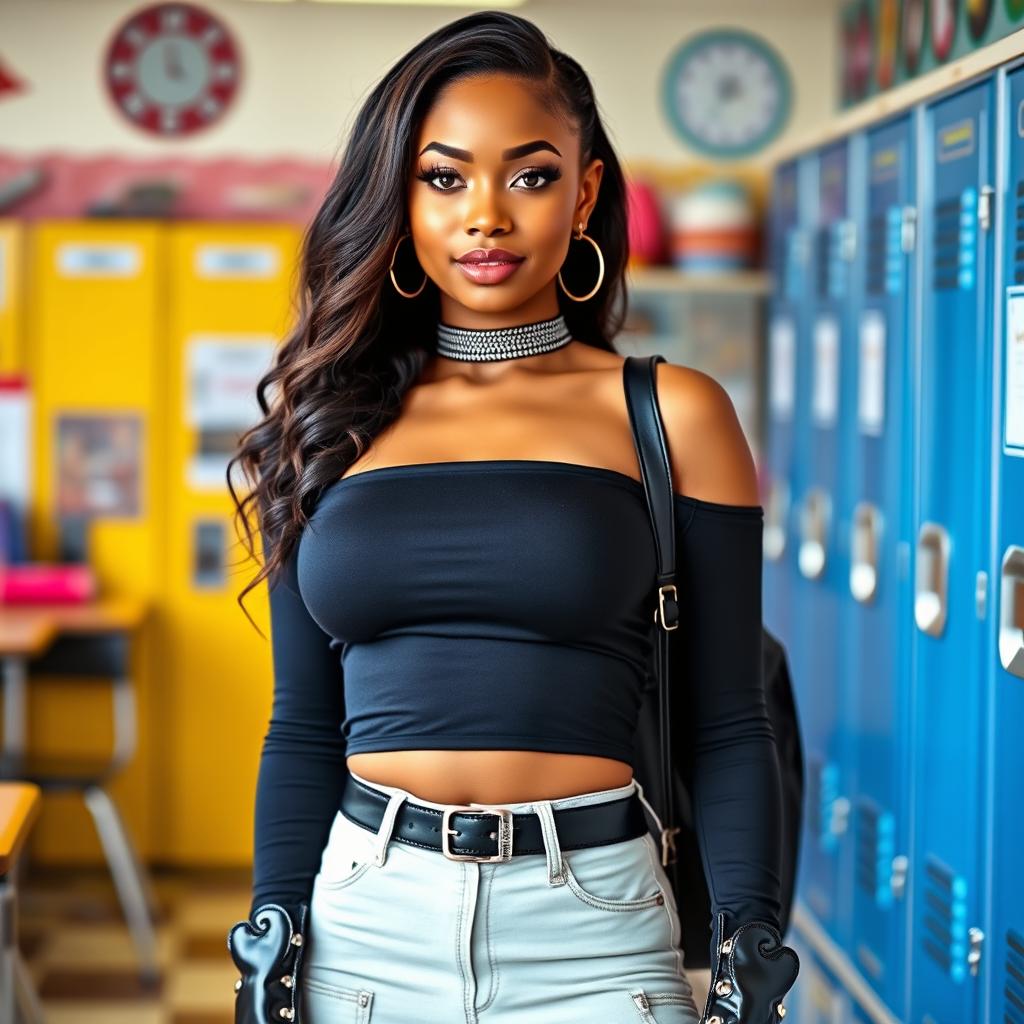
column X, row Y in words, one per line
column 548, row 171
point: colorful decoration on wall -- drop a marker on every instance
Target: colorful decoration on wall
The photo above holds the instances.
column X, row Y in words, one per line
column 944, row 15
column 727, row 93
column 858, row 51
column 913, row 33
column 921, row 34
column 172, row 69
column 888, row 39
column 978, row 14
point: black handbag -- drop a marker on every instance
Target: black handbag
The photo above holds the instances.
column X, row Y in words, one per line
column 671, row 778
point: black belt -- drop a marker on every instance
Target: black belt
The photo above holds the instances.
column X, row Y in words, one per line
column 487, row 832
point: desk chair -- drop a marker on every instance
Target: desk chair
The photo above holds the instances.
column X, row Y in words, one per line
column 105, row 655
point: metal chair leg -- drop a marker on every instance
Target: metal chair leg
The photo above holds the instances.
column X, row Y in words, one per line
column 130, row 876
column 19, row 1003
column 8, row 952
column 30, row 1010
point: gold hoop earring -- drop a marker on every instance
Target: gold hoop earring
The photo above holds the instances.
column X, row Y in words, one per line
column 391, row 271
column 600, row 273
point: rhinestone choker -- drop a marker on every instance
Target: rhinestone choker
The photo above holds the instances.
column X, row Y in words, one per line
column 502, row 342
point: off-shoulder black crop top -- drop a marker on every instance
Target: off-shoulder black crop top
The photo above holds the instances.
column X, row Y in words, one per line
column 507, row 604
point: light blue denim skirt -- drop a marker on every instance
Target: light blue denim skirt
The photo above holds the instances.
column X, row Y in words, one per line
column 399, row 934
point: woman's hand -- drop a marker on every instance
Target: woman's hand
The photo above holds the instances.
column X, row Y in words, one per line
column 267, row 950
column 751, row 972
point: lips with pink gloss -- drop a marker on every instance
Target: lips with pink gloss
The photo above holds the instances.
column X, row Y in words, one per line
column 489, row 266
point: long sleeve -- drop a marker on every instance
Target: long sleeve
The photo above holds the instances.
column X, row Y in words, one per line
column 723, row 712
column 302, row 766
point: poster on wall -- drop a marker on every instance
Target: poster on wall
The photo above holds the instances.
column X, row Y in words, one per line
column 98, row 465
column 221, row 375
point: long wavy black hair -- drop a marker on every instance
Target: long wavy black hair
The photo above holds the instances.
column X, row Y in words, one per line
column 357, row 346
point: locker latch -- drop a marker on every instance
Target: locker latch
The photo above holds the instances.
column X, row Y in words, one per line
column 898, row 878
column 908, row 229
column 848, row 240
column 975, row 938
column 985, row 207
column 839, row 819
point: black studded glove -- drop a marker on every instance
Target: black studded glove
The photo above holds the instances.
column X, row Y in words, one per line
column 751, row 972
column 267, row 950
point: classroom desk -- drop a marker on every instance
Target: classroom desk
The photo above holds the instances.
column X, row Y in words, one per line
column 91, row 639
column 28, row 631
column 19, row 808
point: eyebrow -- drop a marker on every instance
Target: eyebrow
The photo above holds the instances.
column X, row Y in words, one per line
column 509, row 154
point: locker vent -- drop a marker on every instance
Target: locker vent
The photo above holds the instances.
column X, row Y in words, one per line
column 947, row 244
column 944, row 919
column 875, row 850
column 831, row 264
column 821, row 795
column 878, row 254
column 1018, row 249
column 1014, row 991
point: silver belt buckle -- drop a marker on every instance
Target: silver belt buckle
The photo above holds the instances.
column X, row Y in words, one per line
column 504, row 836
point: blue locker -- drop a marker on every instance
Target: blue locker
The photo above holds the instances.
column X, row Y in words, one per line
column 1005, row 959
column 817, row 997
column 787, row 263
column 878, row 604
column 952, row 589
column 823, row 394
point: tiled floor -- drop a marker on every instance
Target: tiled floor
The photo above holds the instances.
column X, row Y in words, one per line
column 80, row 955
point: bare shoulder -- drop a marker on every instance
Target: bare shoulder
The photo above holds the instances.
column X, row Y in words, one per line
column 708, row 450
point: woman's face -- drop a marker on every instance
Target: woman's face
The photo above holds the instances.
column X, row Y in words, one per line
column 493, row 169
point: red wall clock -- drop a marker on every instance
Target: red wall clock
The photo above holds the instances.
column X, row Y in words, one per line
column 172, row 69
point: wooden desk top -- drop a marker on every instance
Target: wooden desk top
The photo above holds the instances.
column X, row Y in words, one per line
column 20, row 803
column 25, row 636
column 29, row 629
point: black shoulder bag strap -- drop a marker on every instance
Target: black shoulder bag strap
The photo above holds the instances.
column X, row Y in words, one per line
column 639, row 380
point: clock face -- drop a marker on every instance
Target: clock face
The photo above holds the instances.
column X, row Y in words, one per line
column 727, row 93
column 172, row 69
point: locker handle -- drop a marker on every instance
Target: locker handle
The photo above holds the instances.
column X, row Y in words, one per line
column 775, row 518
column 839, row 816
column 1011, row 612
column 931, row 579
column 864, row 545
column 814, row 519
column 898, row 878
column 976, row 939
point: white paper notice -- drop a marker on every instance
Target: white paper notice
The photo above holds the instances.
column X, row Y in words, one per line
column 220, row 399
column 871, row 380
column 1015, row 368
column 782, row 366
column 825, row 396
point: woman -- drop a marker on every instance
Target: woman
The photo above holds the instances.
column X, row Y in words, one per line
column 447, row 827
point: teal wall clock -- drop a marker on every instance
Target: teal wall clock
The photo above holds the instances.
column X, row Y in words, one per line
column 727, row 93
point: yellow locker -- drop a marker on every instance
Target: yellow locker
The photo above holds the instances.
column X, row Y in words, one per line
column 97, row 309
column 230, row 290
column 12, row 304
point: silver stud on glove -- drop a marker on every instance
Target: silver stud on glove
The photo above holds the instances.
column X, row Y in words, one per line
column 751, row 972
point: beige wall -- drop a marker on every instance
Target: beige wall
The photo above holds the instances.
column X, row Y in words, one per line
column 308, row 66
